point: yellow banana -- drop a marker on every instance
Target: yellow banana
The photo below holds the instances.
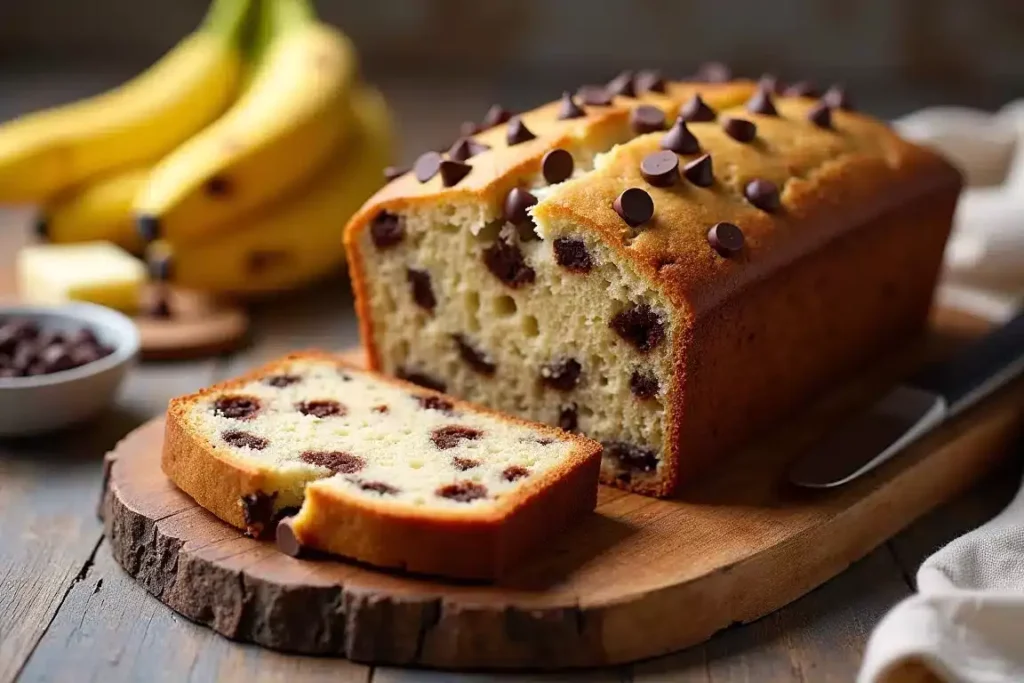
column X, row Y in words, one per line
column 297, row 239
column 277, row 135
column 49, row 151
column 101, row 210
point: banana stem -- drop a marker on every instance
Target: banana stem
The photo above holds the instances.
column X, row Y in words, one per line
column 284, row 15
column 228, row 18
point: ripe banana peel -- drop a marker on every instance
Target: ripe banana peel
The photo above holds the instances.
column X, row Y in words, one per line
column 98, row 211
column 47, row 152
column 297, row 239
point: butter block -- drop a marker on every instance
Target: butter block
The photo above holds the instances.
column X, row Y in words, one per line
column 98, row 272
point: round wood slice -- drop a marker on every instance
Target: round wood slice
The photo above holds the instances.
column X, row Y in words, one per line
column 196, row 325
column 640, row 578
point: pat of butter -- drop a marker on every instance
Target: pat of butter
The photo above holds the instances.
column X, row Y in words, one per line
column 98, row 272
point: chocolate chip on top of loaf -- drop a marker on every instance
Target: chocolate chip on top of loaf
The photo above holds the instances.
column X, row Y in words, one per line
column 737, row 256
column 313, row 435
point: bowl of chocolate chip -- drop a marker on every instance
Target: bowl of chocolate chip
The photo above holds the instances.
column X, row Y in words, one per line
column 60, row 365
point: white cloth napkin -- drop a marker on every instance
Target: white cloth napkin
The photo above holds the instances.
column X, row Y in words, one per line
column 966, row 624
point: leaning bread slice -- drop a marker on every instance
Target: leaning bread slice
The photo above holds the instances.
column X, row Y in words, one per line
column 376, row 469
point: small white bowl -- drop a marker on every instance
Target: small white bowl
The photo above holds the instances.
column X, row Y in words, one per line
column 43, row 403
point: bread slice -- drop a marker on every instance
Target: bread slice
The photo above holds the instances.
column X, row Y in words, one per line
column 376, row 469
column 680, row 291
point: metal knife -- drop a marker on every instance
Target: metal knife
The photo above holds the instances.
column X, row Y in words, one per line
column 913, row 408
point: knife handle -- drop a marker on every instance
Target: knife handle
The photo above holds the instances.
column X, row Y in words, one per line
column 980, row 369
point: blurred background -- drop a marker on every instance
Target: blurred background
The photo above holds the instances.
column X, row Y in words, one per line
column 443, row 61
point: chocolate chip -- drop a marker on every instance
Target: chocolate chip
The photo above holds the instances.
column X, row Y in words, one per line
column 700, row 171
column 622, row 85
column 427, row 166
column 453, row 171
column 634, row 206
column 517, row 132
column 321, row 408
column 726, row 239
column 740, row 129
column 392, row 173
column 473, row 357
column 802, row 89
column 764, row 194
column 338, row 462
column 640, row 326
column 644, row 385
column 837, row 98
column 495, row 115
column 514, row 473
column 572, row 254
column 504, row 258
column 236, row 407
column 56, row 358
column 517, row 201
column 557, row 165
column 421, row 379
column 435, row 403
column 449, row 436
column 660, row 169
column 157, row 306
column 761, row 102
column 218, row 186
column 697, row 110
column 257, row 512
column 594, row 96
column 649, row 80
column 679, row 139
column 463, row 491
column 286, row 539
column 281, row 381
column 563, row 374
column 376, row 487
column 820, row 115
column 568, row 108
column 381, row 409
column 466, row 148
column 463, row 464
column 568, row 417
column 387, row 230
column 240, row 439
column 646, row 118
column 422, row 292
column 631, row 456
column 713, row 72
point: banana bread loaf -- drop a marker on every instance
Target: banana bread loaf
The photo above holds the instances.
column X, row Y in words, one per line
column 384, row 471
column 667, row 268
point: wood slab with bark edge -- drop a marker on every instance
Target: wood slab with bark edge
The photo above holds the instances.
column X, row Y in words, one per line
column 640, row 578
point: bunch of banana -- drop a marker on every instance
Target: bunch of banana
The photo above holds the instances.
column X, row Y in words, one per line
column 251, row 199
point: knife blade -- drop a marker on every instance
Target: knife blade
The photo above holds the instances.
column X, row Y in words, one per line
column 912, row 409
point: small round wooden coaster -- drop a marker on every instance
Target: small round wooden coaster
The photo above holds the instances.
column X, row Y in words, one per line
column 178, row 324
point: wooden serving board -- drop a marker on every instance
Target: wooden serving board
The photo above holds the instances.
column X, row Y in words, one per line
column 640, row 578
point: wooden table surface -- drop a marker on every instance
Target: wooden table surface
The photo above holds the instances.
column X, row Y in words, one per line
column 69, row 613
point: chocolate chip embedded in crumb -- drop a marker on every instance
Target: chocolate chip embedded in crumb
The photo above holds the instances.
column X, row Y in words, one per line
column 572, row 254
column 321, row 408
column 649, row 80
column 473, row 357
column 463, row 464
column 338, row 462
column 802, row 89
column 420, row 378
column 726, row 239
column 466, row 148
column 376, row 487
column 449, row 436
column 453, row 171
column 286, row 540
column 622, row 85
column 838, row 98
column 557, row 166
column 236, row 407
column 740, row 129
column 634, row 206
column 562, row 375
column 381, row 409
column 764, row 194
column 696, row 109
column 517, row 201
column 761, row 102
column 679, row 139
column 640, row 326
column 504, row 258
column 646, row 118
column 594, row 96
column 517, row 132
column 463, row 491
column 281, row 381
column 631, row 456
column 820, row 115
column 660, row 169
column 420, row 286
column 392, row 173
column 700, row 171
column 435, row 403
column 644, row 385
column 514, row 473
column 386, row 230
column 495, row 116
column 240, row 439
column 257, row 512
column 568, row 417
column 427, row 166
column 568, row 109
